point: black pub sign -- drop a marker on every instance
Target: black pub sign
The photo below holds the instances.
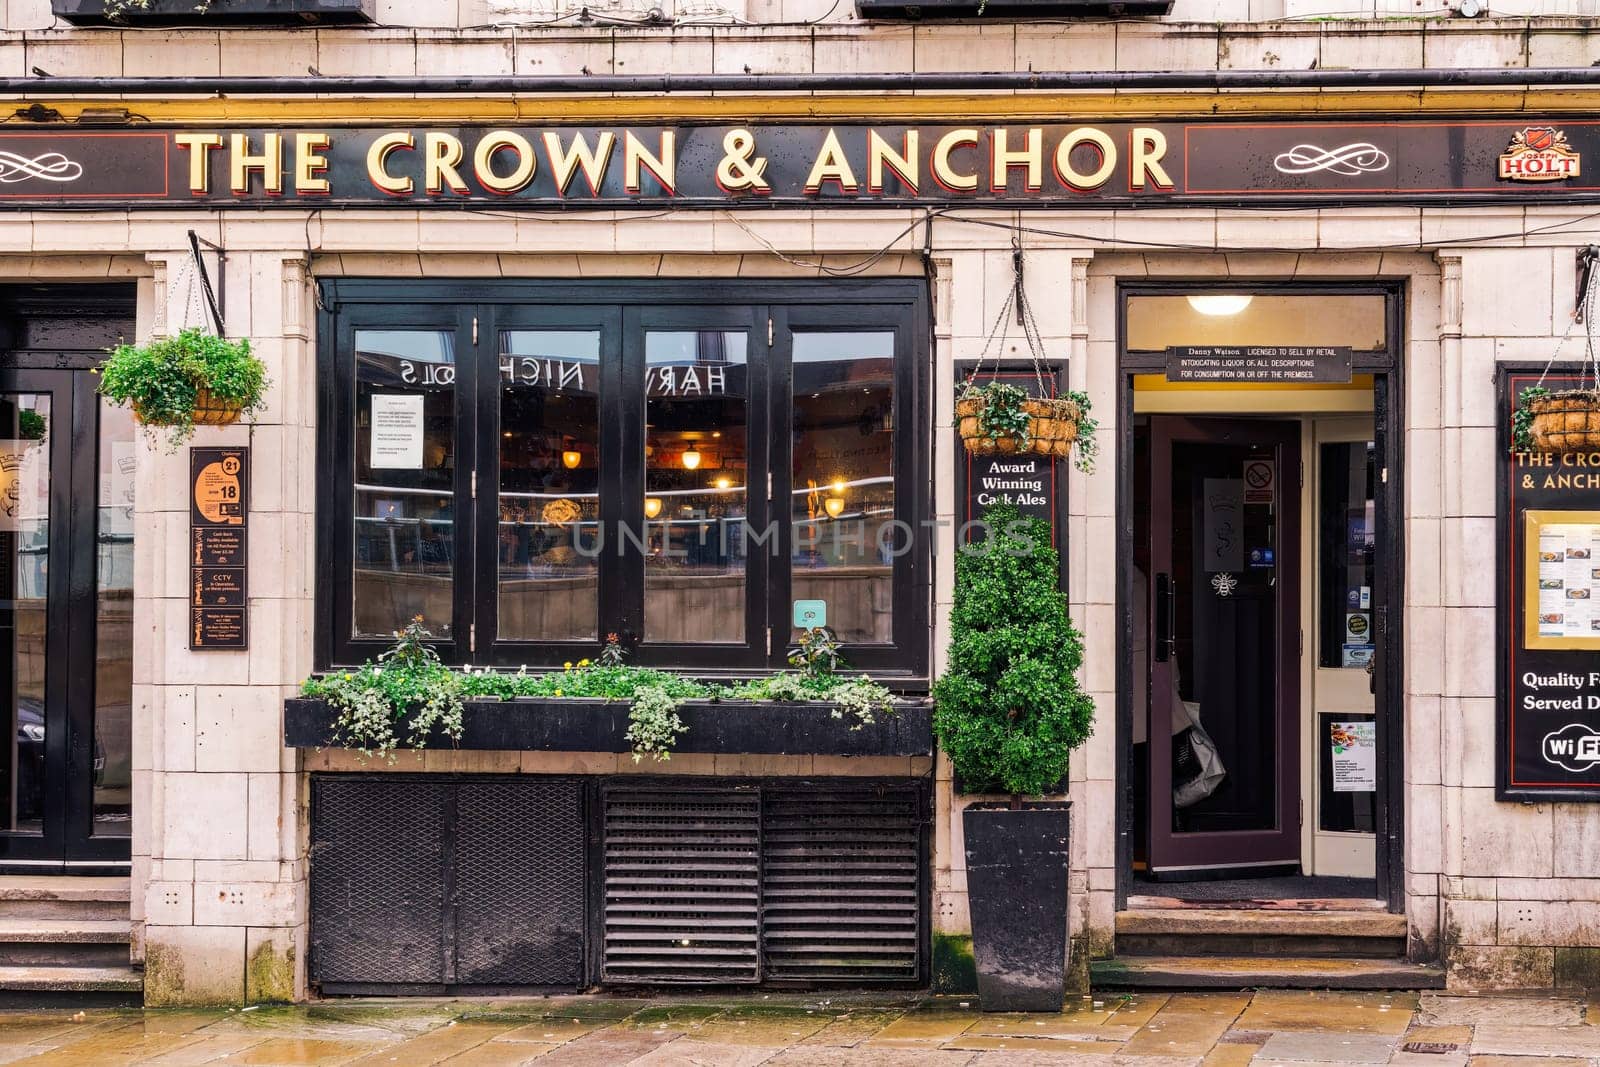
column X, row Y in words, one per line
column 219, row 513
column 1548, row 725
column 1033, row 484
column 1076, row 163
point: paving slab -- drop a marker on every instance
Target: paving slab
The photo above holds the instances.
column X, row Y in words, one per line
column 1052, row 1045
column 1521, row 1040
column 1329, row 1012
column 296, row 1052
column 1189, row 1024
column 497, row 1054
column 1528, row 1061
column 918, row 1028
column 1428, row 1059
column 607, row 1048
column 550, row 1031
column 697, row 1052
column 1439, row 1009
column 1230, row 1055
column 1077, row 1025
column 847, row 1029
column 1302, row 1047
column 869, row 1056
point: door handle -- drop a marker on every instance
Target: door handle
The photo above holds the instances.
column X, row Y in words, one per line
column 1166, row 641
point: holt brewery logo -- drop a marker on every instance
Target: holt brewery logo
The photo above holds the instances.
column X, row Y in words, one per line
column 1539, row 154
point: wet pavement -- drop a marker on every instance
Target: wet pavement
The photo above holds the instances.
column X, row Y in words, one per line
column 1149, row 1030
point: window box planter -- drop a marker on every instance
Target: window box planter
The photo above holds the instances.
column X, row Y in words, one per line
column 572, row 725
column 238, row 12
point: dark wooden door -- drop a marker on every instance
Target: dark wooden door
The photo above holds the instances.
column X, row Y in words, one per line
column 1225, row 641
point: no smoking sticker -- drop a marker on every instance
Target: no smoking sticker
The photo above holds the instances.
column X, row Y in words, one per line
column 1260, row 481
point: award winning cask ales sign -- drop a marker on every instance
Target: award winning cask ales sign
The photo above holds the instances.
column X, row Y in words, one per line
column 219, row 510
column 1548, row 729
column 1033, row 484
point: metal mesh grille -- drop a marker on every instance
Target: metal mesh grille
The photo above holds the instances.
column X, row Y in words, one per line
column 681, row 873
column 377, row 880
column 840, row 886
column 519, row 883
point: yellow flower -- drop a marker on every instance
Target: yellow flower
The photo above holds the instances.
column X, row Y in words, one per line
column 558, row 692
column 567, row 665
column 583, row 663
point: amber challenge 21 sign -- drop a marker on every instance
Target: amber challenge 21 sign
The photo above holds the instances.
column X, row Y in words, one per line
column 1548, row 728
column 219, row 510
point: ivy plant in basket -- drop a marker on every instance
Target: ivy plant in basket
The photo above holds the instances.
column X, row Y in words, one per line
column 179, row 382
column 1008, row 712
column 1001, row 417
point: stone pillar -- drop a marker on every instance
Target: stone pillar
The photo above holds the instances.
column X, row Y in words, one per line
column 221, row 870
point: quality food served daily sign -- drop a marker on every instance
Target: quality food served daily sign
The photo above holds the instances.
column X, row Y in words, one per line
column 1548, row 730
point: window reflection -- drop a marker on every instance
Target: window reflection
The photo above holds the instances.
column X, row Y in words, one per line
column 113, row 682
column 405, row 477
column 1347, row 555
column 25, row 428
column 843, row 492
column 696, row 486
column 548, row 545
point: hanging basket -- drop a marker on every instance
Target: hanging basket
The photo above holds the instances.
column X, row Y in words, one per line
column 1566, row 422
column 208, row 411
column 1052, row 428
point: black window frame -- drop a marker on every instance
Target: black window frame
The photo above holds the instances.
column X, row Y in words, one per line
column 623, row 309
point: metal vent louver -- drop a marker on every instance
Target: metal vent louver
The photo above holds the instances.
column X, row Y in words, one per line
column 841, row 884
column 681, row 882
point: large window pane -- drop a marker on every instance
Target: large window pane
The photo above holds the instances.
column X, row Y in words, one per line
column 845, row 540
column 696, row 488
column 405, row 461
column 1347, row 555
column 549, row 536
column 113, row 635
column 26, row 425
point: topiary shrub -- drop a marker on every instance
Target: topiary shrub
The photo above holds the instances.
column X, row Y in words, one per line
column 1008, row 710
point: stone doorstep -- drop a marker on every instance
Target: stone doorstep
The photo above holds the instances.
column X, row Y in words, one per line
column 1261, row 923
column 1147, row 902
column 1249, row 972
column 74, row 931
column 64, row 888
column 71, row 980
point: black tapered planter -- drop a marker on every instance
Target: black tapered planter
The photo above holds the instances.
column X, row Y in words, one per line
column 1017, row 896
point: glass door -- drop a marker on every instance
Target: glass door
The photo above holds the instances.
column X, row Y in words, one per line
column 1224, row 646
column 66, row 621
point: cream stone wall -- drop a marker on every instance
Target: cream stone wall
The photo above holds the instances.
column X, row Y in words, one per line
column 1509, row 893
column 1221, row 35
column 487, row 14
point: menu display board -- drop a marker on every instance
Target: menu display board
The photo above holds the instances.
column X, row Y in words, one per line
column 1548, row 691
column 219, row 512
column 1034, row 484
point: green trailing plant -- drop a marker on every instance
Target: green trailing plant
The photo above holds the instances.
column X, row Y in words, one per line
column 1008, row 710
column 372, row 700
column 119, row 10
column 1086, row 447
column 1522, row 419
column 817, row 654
column 1001, row 415
column 163, row 380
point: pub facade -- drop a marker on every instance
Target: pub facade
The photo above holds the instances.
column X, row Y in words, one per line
column 594, row 334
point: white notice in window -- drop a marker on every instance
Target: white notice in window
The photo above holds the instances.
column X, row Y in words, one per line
column 1355, row 756
column 397, row 431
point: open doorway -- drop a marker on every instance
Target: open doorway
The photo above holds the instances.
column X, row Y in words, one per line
column 1260, row 518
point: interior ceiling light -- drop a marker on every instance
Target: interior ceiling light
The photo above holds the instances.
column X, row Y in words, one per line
column 1220, row 303
column 691, row 459
column 570, row 458
column 652, row 507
